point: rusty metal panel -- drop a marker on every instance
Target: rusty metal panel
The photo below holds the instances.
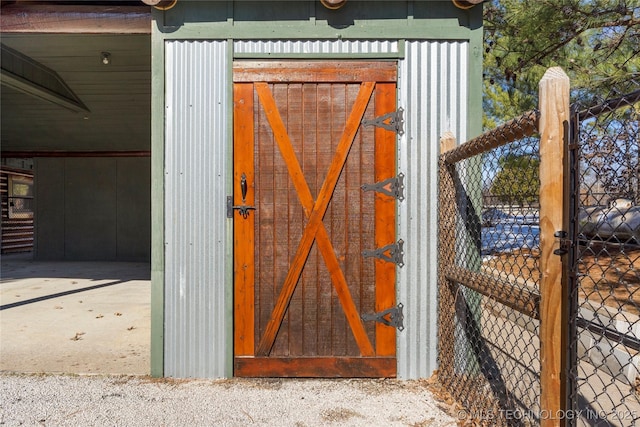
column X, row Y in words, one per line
column 197, row 111
column 433, row 89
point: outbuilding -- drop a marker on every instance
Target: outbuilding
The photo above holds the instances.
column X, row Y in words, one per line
column 294, row 154
column 282, row 178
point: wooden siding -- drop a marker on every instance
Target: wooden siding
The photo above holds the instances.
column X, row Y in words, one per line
column 23, row 17
column 17, row 233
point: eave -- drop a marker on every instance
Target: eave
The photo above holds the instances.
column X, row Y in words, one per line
column 82, row 19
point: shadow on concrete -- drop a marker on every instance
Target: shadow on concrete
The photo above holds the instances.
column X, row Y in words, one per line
column 22, row 266
column 59, row 294
column 81, row 317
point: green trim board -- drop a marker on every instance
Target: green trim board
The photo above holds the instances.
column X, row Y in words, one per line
column 474, row 128
column 245, row 20
column 228, row 312
column 474, row 110
column 157, row 206
column 247, row 32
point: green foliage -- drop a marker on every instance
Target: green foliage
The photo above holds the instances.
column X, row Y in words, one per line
column 610, row 152
column 518, row 180
column 596, row 42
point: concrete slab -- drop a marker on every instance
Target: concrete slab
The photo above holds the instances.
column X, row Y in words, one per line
column 74, row 317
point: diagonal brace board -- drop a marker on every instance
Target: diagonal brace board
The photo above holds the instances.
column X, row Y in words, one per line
column 306, row 199
column 315, row 215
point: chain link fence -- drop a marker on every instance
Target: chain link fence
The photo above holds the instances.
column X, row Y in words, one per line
column 499, row 304
column 489, row 354
column 604, row 367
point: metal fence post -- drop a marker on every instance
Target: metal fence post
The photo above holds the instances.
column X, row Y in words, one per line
column 553, row 126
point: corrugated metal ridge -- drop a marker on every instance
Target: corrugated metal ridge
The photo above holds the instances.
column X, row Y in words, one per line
column 196, row 164
column 315, row 46
column 433, row 91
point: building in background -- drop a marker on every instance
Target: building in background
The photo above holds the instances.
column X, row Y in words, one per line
column 276, row 162
column 16, row 192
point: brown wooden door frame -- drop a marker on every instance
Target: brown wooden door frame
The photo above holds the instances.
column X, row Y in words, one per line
column 252, row 354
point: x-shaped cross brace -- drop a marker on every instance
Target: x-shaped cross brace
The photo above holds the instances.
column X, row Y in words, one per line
column 314, row 211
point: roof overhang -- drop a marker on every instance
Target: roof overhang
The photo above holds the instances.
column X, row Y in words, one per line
column 36, row 17
column 22, row 73
column 59, row 96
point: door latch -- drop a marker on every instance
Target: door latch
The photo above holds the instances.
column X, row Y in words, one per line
column 243, row 208
column 565, row 243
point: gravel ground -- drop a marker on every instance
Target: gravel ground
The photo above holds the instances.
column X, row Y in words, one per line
column 60, row 400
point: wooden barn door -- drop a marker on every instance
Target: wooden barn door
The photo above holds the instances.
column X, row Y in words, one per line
column 301, row 157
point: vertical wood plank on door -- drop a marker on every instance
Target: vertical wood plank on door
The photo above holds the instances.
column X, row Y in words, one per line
column 350, row 257
column 310, row 272
column 335, row 214
column 366, row 214
column 295, row 216
column 385, row 218
column 284, row 248
column 324, row 154
column 243, row 227
column 265, row 280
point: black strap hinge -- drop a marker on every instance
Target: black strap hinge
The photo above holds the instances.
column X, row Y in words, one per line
column 392, row 253
column 393, row 187
column 393, row 121
column 391, row 317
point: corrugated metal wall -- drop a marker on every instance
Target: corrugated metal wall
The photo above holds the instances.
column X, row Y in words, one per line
column 197, row 324
column 275, row 47
column 433, row 81
column 432, row 89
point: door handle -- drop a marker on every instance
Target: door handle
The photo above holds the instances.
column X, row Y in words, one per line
column 243, row 208
column 243, row 187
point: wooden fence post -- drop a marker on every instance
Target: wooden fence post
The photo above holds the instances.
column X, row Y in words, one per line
column 553, row 126
column 446, row 254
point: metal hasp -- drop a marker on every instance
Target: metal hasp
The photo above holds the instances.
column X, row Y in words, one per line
column 395, row 121
column 393, row 187
column 565, row 244
column 244, row 210
column 391, row 317
column 395, row 250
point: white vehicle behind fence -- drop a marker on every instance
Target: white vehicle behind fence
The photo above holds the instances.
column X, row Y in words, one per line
column 620, row 221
